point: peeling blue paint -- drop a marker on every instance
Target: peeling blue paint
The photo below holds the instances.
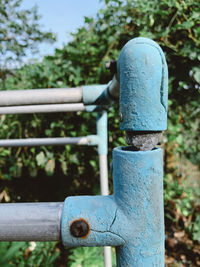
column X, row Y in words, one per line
column 132, row 219
column 138, row 193
column 143, row 76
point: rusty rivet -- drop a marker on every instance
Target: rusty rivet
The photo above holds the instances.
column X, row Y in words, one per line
column 79, row 228
column 120, row 117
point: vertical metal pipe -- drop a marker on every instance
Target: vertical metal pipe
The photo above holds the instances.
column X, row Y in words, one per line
column 103, row 151
column 107, row 256
column 103, row 166
column 138, row 192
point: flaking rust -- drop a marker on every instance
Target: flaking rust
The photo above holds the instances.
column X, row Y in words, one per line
column 143, row 141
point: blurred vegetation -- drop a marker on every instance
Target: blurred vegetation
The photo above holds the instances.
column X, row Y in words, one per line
column 52, row 173
column 19, row 34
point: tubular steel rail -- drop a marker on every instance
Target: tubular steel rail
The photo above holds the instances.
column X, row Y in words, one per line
column 132, row 219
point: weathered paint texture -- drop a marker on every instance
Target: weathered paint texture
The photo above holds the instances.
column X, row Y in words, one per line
column 142, row 72
column 132, row 219
column 99, row 212
column 138, row 193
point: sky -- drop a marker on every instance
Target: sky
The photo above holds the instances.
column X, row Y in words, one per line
column 62, row 17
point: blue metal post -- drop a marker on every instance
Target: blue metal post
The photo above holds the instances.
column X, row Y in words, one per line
column 138, row 192
column 132, row 219
column 143, row 75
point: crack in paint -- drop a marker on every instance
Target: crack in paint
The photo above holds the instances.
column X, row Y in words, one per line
column 103, row 232
column 113, row 219
column 109, row 230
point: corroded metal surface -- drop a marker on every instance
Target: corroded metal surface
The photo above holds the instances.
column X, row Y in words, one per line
column 99, row 212
column 138, row 192
column 132, row 219
column 143, row 140
column 143, row 76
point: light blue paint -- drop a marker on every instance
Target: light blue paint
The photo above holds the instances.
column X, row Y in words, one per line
column 143, row 75
column 96, row 95
column 93, row 140
column 138, row 193
column 132, row 219
column 99, row 212
column 92, row 94
column 93, row 108
column 102, row 133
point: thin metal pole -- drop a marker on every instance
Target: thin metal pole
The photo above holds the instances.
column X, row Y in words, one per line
column 103, row 166
column 40, row 96
column 87, row 140
column 42, row 108
column 30, row 221
column 105, row 191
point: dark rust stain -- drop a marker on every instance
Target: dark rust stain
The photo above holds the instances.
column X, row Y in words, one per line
column 79, row 228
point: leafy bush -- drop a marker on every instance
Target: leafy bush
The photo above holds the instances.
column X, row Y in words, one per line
column 27, row 254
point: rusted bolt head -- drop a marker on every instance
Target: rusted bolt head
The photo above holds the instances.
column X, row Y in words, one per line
column 79, row 228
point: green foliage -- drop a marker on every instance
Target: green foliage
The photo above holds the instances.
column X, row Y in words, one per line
column 89, row 257
column 19, row 33
column 25, row 254
column 8, row 251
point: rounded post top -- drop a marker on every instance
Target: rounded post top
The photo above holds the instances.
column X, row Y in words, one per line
column 143, row 76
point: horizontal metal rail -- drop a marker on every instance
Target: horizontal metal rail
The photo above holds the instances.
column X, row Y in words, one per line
column 86, row 140
column 40, row 96
column 42, row 108
column 30, row 221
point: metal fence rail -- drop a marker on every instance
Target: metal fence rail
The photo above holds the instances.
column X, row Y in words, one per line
column 40, row 96
column 51, row 108
column 132, row 219
column 87, row 140
column 30, row 221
